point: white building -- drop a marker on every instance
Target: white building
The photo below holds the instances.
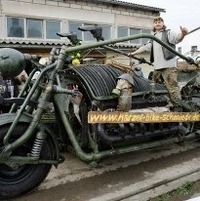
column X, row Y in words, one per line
column 31, row 25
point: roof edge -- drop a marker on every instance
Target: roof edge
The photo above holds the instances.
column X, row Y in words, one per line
column 128, row 4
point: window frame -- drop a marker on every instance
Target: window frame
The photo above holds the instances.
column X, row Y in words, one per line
column 25, row 28
column 32, row 27
column 45, row 29
column 141, row 41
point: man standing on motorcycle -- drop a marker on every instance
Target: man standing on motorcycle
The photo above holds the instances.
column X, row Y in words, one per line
column 164, row 61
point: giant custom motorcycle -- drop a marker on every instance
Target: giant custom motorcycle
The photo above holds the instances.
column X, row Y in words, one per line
column 74, row 106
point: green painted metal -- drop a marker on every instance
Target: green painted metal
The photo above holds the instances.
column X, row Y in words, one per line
column 8, row 118
column 12, row 62
column 127, row 38
column 22, row 108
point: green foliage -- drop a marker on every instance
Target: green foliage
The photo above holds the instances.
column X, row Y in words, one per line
column 164, row 197
column 185, row 188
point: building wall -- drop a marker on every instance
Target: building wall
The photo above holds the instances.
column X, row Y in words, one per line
column 74, row 10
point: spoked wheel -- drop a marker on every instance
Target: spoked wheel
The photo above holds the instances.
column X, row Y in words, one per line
column 20, row 179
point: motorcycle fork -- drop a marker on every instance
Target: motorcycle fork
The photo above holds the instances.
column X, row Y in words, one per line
column 35, row 122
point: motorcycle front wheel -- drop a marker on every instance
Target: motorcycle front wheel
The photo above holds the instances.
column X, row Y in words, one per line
column 22, row 179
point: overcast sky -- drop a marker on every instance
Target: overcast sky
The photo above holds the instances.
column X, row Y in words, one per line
column 178, row 13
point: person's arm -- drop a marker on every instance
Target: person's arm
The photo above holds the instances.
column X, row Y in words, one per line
column 138, row 51
column 183, row 33
column 144, row 48
column 175, row 38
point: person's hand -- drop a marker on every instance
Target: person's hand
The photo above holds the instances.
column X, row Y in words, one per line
column 184, row 31
column 130, row 54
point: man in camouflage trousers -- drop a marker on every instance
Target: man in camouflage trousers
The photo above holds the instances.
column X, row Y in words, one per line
column 164, row 61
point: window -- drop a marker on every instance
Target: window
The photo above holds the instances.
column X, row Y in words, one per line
column 145, row 31
column 52, row 27
column 134, row 31
column 126, row 31
column 15, row 27
column 122, row 31
column 34, row 28
column 73, row 27
column 87, row 35
column 106, row 31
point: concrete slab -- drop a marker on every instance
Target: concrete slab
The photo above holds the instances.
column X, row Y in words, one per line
column 156, row 183
column 131, row 177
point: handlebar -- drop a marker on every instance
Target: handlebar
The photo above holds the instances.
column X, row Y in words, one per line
column 127, row 38
column 141, row 60
column 97, row 33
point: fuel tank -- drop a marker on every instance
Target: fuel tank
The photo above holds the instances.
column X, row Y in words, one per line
column 12, row 63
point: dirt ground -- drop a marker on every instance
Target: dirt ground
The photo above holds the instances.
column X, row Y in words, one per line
column 186, row 191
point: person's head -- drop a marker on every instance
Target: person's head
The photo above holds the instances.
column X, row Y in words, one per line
column 158, row 24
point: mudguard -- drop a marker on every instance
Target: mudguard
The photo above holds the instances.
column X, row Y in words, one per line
column 7, row 118
column 10, row 117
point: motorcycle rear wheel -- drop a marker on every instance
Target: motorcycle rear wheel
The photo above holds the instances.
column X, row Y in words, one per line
column 22, row 179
